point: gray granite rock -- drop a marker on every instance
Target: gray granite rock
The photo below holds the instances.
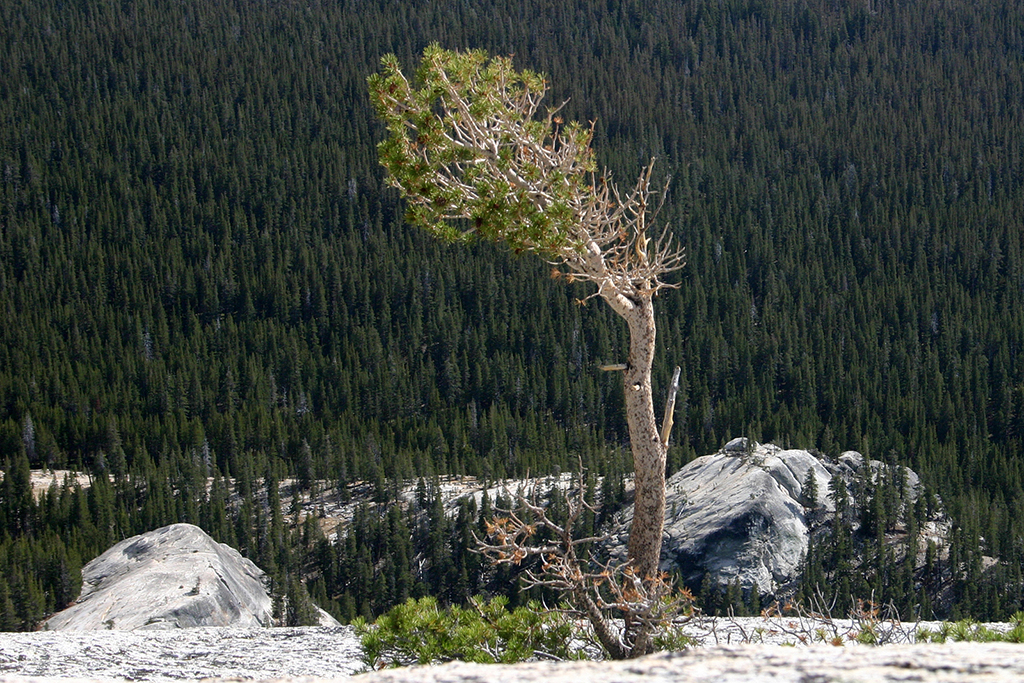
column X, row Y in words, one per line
column 305, row 655
column 173, row 577
column 164, row 656
column 966, row 662
column 738, row 515
column 742, row 514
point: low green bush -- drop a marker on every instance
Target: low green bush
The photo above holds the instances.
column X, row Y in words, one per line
column 969, row 631
column 420, row 632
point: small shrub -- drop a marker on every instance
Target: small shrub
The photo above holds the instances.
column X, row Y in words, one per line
column 968, row 631
column 972, row 632
column 1015, row 634
column 868, row 635
column 671, row 639
column 419, row 632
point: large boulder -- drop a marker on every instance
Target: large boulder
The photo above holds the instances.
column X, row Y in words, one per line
column 174, row 577
column 742, row 514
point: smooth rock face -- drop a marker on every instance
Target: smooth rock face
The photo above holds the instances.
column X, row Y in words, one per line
column 960, row 662
column 741, row 514
column 308, row 655
column 174, row 577
column 186, row 654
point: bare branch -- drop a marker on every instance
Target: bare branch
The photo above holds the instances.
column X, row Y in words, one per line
column 670, row 407
column 600, row 591
column 479, row 151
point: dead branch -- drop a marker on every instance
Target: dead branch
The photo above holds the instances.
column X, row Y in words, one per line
column 600, row 592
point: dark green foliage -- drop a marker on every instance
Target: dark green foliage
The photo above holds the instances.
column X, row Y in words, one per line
column 809, row 489
column 300, row 611
column 200, row 273
column 422, row 632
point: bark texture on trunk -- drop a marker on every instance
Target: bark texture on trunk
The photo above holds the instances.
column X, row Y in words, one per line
column 648, row 450
column 636, row 307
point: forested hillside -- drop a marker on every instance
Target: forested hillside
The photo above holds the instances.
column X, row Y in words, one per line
column 202, row 274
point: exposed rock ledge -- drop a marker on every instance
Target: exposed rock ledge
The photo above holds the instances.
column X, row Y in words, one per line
column 970, row 662
column 170, row 578
column 741, row 515
column 956, row 662
column 967, row 662
column 173, row 577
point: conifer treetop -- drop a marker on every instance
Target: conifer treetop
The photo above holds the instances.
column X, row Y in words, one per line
column 473, row 157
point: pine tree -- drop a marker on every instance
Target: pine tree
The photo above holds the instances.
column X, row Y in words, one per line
column 809, row 490
column 530, row 184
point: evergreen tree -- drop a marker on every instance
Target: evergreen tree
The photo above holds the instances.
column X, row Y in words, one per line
column 809, row 490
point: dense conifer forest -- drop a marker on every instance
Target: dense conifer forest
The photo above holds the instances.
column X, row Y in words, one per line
column 203, row 276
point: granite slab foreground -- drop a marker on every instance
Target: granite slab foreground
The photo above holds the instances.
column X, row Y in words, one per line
column 970, row 662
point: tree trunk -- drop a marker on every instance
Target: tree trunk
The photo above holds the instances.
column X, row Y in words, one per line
column 648, row 450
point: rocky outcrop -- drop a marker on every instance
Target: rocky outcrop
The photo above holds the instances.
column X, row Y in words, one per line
column 186, row 654
column 309, row 655
column 962, row 662
column 743, row 514
column 174, row 577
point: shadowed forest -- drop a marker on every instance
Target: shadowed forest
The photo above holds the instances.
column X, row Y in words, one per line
column 202, row 275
